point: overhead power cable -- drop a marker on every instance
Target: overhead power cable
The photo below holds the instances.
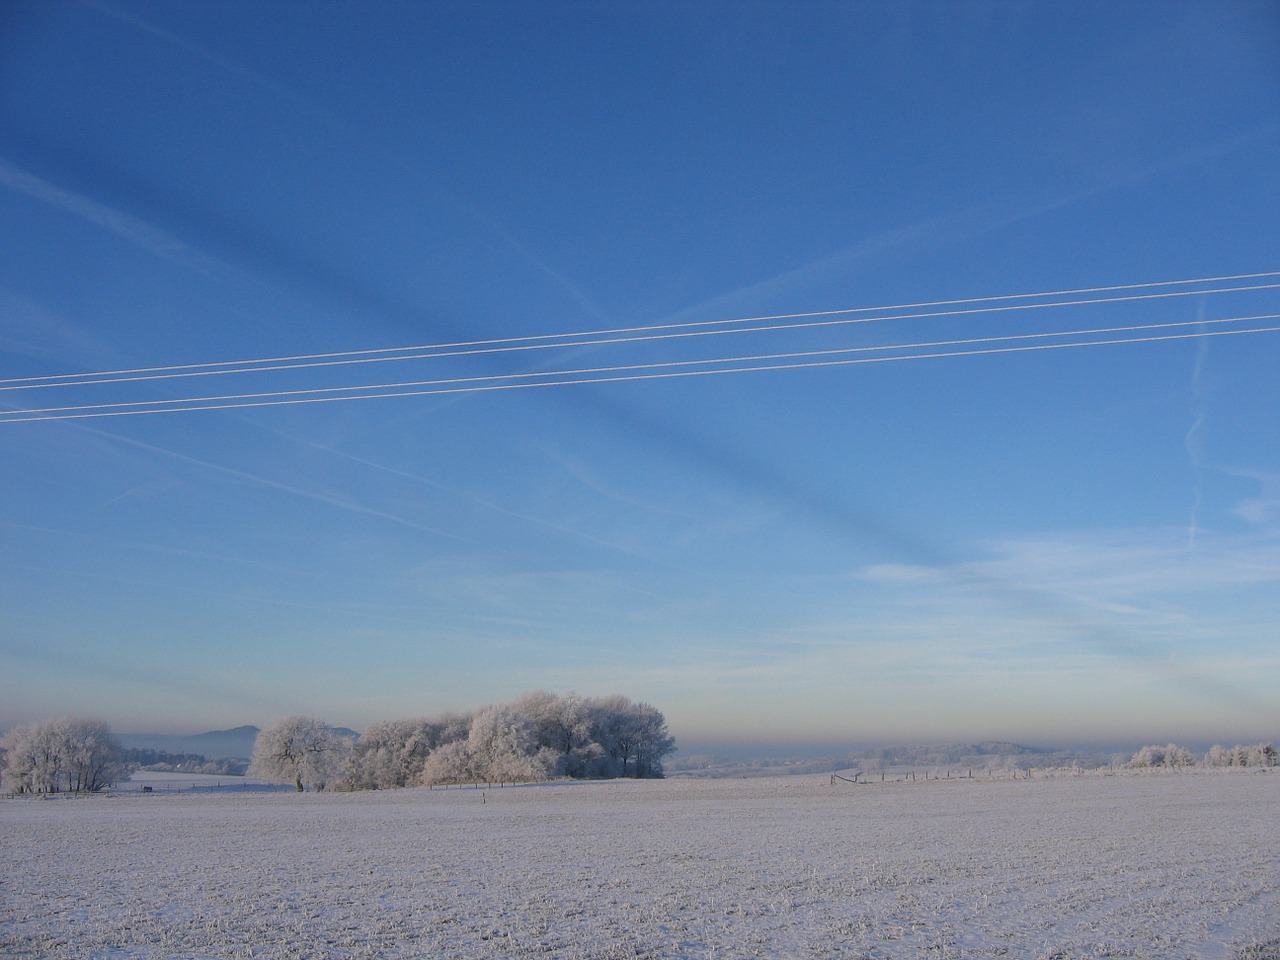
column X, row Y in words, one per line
column 625, row 373
column 584, row 371
column 639, row 334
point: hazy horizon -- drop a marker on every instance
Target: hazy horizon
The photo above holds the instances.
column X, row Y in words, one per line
column 802, row 749
column 816, row 370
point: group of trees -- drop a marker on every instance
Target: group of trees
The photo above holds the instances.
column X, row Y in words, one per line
column 1171, row 756
column 1174, row 756
column 66, row 755
column 1257, row 755
column 540, row 736
column 147, row 758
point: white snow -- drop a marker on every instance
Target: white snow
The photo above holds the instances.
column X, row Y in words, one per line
column 1174, row 866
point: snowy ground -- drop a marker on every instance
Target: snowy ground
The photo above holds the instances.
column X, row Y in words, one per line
column 1122, row 866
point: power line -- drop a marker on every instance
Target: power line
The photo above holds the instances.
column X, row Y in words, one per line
column 644, row 334
column 451, row 387
column 791, row 355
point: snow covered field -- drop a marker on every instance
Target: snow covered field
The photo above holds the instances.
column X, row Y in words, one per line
column 165, row 782
column 1164, row 867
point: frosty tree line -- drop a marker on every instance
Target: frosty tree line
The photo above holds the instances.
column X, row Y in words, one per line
column 538, row 737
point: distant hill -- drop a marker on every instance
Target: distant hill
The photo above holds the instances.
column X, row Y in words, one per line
column 919, row 755
column 904, row 757
column 214, row 745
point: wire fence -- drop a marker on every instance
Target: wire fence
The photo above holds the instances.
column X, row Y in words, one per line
column 186, row 785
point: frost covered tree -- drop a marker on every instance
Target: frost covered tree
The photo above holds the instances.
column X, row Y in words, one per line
column 541, row 735
column 389, row 755
column 1219, row 756
column 395, row 754
column 1172, row 756
column 303, row 751
column 653, row 741
column 32, row 759
column 633, row 737
column 505, row 749
column 500, row 747
column 1257, row 755
column 1261, row 755
column 563, row 725
column 376, row 761
column 451, row 763
column 96, row 757
column 69, row 754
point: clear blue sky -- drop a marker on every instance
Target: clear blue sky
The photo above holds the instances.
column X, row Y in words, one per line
column 1054, row 545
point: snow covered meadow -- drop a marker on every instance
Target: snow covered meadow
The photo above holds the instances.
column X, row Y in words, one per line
column 1158, row 865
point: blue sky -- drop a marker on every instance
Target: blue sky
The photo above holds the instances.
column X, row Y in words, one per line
column 1053, row 545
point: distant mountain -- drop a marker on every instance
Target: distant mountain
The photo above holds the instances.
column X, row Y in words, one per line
column 214, row 745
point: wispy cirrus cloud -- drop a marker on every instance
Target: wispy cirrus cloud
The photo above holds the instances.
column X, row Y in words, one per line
column 122, row 224
column 464, row 496
column 1135, row 564
column 1263, row 509
column 1130, row 604
column 352, row 134
column 1097, row 573
column 905, row 241
column 187, row 46
column 30, row 329
column 948, row 230
column 317, row 496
